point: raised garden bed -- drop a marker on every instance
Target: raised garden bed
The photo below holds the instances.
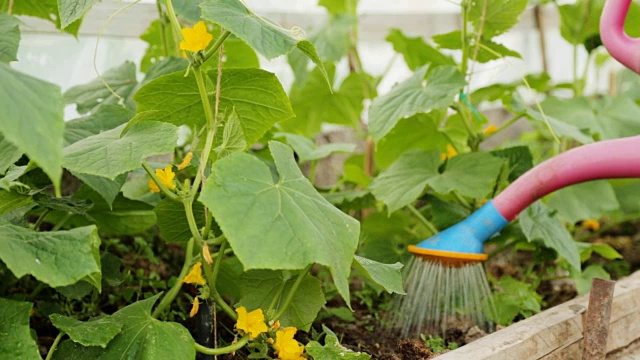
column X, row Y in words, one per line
column 557, row 333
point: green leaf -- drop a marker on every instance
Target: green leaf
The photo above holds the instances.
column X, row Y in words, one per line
column 516, row 298
column 580, row 21
column 590, row 200
column 333, row 350
column 628, row 194
column 256, row 95
column 56, row 258
column 617, row 117
column 335, row 7
column 105, row 118
column 263, row 35
column 162, row 67
column 109, row 155
column 314, row 103
column 472, row 174
column 47, row 10
column 487, row 49
column 189, row 10
column 72, row 10
column 15, row 336
column 172, row 220
column 96, row 332
column 32, row 119
column 279, row 223
column 10, row 201
column 422, row 92
column 519, row 159
column 386, row 237
column 142, row 337
column 307, row 150
column 156, row 47
column 260, row 288
column 583, row 279
column 604, row 250
column 389, row 276
column 237, row 55
column 9, row 38
column 108, row 189
column 332, row 39
column 538, row 223
column 404, row 181
column 10, row 154
column 419, row 132
column 416, row 51
column 232, row 138
column 495, row 17
column 124, row 217
column 91, row 96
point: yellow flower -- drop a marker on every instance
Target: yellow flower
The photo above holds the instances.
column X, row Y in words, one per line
column 186, row 161
column 251, row 323
column 286, row 347
column 166, row 177
column 206, row 254
column 195, row 275
column 275, row 325
column 195, row 39
column 451, row 152
column 591, row 224
column 194, row 307
column 490, row 130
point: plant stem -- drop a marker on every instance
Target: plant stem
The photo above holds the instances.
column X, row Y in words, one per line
column 173, row 292
column 576, row 87
column 163, row 34
column 216, row 264
column 223, row 350
column 312, row 171
column 464, row 65
column 604, row 229
column 40, row 220
column 424, row 220
column 62, row 221
column 10, row 9
column 207, row 224
column 216, row 45
column 54, row 345
column 292, row 292
column 170, row 194
column 191, row 220
column 173, row 19
column 505, row 125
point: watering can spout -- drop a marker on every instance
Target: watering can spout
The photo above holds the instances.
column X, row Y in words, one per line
column 621, row 46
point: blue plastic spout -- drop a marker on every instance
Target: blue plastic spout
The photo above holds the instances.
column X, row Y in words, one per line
column 463, row 241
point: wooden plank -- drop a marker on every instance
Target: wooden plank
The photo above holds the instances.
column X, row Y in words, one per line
column 557, row 332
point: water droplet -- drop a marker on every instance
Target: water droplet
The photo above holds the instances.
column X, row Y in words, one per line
column 38, row 261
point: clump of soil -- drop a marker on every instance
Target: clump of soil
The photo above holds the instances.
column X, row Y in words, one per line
column 413, row 349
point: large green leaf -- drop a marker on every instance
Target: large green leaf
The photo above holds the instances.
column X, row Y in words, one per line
column 281, row 223
column 92, row 95
column 96, row 332
column 307, row 150
column 10, row 154
column 617, row 117
column 416, row 51
column 628, row 194
column 261, row 288
column 142, row 338
column 107, row 188
column 109, row 155
column 188, row 9
column 584, row 278
column 314, row 103
column 385, row 237
column 333, row 350
column 417, row 132
column 332, row 39
column 172, row 220
column 590, row 200
column 404, row 181
column 519, row 159
column 495, row 17
column 56, row 258
column 538, row 223
column 15, row 336
column 31, row 119
column 9, row 37
column 257, row 96
column 231, row 139
column 72, row 10
column 422, row 92
column 473, row 175
column 389, row 276
column 236, row 55
column 335, row 7
column 106, row 118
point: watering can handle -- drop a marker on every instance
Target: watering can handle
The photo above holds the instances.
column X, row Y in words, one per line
column 619, row 158
column 621, row 46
